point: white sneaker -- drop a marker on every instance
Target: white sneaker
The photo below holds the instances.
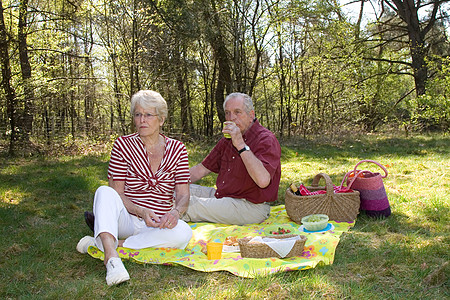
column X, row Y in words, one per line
column 84, row 244
column 115, row 271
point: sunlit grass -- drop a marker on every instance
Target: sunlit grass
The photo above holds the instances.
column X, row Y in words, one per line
column 41, row 219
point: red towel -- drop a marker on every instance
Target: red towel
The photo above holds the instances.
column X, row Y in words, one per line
column 337, row 189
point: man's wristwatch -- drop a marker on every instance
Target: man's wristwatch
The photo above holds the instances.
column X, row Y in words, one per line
column 246, row 148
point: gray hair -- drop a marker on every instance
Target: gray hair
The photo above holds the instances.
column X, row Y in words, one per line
column 150, row 99
column 248, row 103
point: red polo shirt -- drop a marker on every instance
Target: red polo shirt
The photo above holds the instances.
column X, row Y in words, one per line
column 233, row 179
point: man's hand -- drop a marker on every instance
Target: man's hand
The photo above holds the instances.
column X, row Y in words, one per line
column 235, row 132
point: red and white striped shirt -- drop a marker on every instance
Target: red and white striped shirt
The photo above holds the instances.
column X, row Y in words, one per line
column 129, row 162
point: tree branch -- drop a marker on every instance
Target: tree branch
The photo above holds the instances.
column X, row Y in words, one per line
column 388, row 61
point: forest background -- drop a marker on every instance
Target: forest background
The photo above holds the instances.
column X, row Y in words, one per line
column 69, row 68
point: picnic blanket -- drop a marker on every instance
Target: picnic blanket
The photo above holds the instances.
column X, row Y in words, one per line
column 319, row 248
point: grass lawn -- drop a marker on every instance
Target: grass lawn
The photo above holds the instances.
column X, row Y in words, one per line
column 405, row 256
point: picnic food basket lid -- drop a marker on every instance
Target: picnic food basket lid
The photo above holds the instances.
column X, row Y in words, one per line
column 262, row 250
column 341, row 207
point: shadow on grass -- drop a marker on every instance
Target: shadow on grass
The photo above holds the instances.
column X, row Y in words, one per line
column 48, row 189
column 41, row 220
column 43, row 201
column 386, row 257
column 366, row 146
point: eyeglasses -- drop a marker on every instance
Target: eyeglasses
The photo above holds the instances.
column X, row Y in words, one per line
column 146, row 115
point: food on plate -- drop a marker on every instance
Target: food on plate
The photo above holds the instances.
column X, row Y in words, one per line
column 254, row 242
column 280, row 230
column 231, row 241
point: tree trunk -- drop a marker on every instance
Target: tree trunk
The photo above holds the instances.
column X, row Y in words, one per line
column 120, row 114
column 216, row 40
column 117, row 93
column 282, row 82
column 208, row 85
column 223, row 81
column 89, row 83
column 11, row 100
column 26, row 122
column 419, row 65
column 181, row 89
column 407, row 10
column 132, row 58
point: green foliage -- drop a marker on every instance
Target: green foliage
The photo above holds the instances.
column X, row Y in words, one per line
column 307, row 66
column 432, row 110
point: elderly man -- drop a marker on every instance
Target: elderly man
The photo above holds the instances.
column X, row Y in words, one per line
column 248, row 167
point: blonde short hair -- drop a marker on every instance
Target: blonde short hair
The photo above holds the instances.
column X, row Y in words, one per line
column 150, row 99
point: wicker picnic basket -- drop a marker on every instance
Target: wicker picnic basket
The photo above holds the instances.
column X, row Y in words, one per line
column 341, row 207
column 261, row 250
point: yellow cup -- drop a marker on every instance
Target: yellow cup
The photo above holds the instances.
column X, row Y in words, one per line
column 214, row 250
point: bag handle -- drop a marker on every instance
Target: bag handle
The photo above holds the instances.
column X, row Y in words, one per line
column 328, row 182
column 358, row 172
column 375, row 162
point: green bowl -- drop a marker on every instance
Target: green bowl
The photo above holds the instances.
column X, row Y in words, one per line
column 315, row 222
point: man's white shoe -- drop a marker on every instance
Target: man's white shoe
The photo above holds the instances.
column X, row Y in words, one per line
column 115, row 271
column 84, row 244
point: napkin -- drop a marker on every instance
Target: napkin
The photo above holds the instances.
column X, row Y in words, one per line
column 280, row 246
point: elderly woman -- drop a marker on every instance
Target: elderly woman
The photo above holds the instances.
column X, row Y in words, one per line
column 148, row 190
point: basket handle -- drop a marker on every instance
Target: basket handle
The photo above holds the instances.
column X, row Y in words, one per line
column 328, row 182
column 375, row 162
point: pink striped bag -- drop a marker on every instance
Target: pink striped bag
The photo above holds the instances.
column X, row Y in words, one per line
column 374, row 200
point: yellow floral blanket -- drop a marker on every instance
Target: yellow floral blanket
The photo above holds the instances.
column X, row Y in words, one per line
column 319, row 248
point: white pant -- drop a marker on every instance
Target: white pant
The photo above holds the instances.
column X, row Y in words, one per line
column 205, row 207
column 111, row 216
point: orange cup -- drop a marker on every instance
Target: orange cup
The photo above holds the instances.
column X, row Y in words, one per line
column 214, row 250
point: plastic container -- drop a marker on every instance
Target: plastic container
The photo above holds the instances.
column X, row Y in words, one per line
column 315, row 222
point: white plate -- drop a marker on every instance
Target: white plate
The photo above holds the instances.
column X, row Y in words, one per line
column 229, row 249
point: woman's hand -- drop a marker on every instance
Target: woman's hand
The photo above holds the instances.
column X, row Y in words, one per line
column 170, row 219
column 150, row 218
